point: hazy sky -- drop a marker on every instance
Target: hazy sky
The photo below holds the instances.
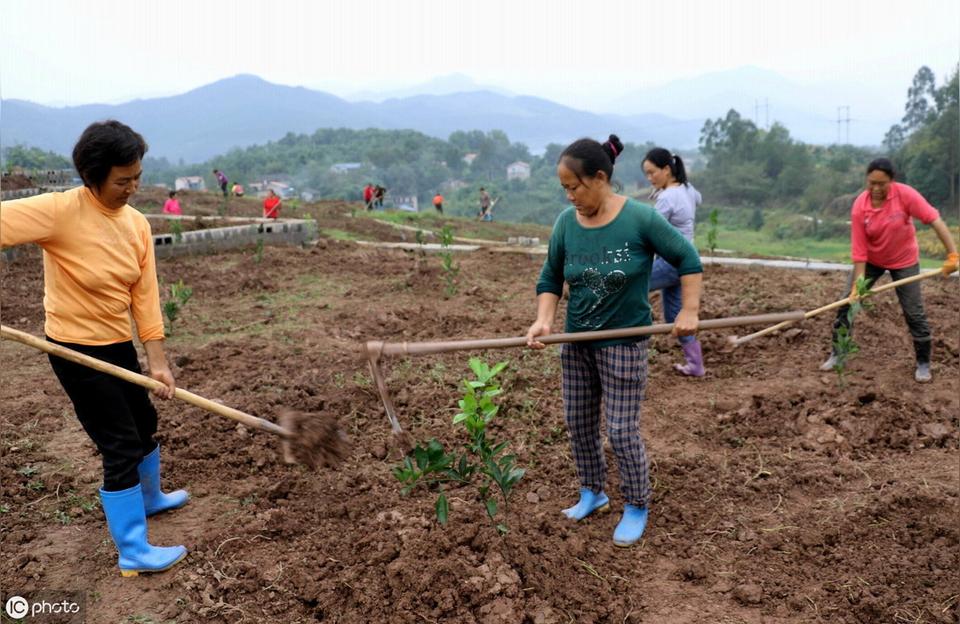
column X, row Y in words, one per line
column 579, row 53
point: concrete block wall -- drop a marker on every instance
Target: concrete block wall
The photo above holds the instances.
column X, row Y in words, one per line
column 272, row 232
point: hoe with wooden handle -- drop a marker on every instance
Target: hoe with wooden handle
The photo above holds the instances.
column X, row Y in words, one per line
column 375, row 350
column 306, row 438
column 735, row 341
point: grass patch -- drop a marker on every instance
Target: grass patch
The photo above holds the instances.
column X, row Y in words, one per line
column 751, row 242
column 745, row 242
column 464, row 227
column 339, row 234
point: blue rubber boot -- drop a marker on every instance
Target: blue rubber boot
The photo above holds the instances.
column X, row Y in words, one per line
column 154, row 500
column 631, row 526
column 590, row 502
column 128, row 528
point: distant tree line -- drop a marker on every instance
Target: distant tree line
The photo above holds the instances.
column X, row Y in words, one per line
column 925, row 145
column 766, row 168
column 32, row 158
column 763, row 171
column 407, row 163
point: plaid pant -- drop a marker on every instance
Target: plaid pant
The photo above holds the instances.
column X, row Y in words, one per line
column 618, row 375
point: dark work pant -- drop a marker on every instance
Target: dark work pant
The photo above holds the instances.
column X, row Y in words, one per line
column 117, row 415
column 911, row 302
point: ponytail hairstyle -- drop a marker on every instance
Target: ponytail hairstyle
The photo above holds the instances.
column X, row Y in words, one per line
column 585, row 157
column 884, row 165
column 661, row 158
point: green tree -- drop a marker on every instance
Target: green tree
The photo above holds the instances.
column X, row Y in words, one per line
column 33, row 158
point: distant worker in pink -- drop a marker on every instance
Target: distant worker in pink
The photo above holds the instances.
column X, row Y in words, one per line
column 172, row 205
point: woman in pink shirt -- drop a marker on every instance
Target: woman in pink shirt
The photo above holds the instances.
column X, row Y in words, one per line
column 882, row 238
column 172, row 205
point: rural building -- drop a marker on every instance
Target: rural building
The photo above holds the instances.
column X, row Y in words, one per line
column 518, row 171
column 190, row 183
column 341, row 168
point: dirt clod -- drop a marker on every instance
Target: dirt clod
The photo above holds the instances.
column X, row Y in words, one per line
column 317, row 439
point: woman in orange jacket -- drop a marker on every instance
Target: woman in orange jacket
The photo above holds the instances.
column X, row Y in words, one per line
column 99, row 270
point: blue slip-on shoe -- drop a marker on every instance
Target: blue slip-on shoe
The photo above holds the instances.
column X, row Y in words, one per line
column 631, row 526
column 128, row 528
column 154, row 500
column 590, row 502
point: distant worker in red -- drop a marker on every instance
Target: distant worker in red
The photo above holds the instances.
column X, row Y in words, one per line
column 271, row 205
column 368, row 196
column 438, row 202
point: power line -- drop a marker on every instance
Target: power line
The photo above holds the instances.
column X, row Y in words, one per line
column 841, row 120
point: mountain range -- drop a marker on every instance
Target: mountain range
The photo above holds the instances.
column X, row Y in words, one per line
column 247, row 110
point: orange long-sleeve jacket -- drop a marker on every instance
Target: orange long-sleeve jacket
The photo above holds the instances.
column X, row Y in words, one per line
column 98, row 266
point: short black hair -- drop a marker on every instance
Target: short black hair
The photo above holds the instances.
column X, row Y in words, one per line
column 882, row 164
column 585, row 157
column 103, row 146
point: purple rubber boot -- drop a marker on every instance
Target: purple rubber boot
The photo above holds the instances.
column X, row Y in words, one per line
column 694, row 356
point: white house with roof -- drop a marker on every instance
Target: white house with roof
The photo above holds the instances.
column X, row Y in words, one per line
column 469, row 157
column 518, row 170
column 345, row 167
column 190, row 183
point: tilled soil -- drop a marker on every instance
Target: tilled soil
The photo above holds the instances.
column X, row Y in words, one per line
column 779, row 494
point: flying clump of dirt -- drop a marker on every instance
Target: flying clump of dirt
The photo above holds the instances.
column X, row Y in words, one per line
column 317, row 439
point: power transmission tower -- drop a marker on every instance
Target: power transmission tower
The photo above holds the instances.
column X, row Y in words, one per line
column 766, row 113
column 841, row 111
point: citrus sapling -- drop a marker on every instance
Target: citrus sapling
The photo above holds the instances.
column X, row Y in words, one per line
column 176, row 227
column 179, row 296
column 450, row 268
column 485, row 464
column 844, row 346
column 712, row 231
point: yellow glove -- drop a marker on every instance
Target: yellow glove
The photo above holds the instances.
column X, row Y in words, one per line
column 951, row 263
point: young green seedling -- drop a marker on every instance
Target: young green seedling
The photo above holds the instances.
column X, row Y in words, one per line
column 484, row 463
column 176, row 227
column 450, row 269
column 712, row 232
column 844, row 346
column 179, row 295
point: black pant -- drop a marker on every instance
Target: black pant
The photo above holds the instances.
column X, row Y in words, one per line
column 911, row 302
column 117, row 415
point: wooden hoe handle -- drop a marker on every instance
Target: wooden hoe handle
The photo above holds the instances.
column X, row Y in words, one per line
column 837, row 304
column 423, row 348
column 8, row 333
